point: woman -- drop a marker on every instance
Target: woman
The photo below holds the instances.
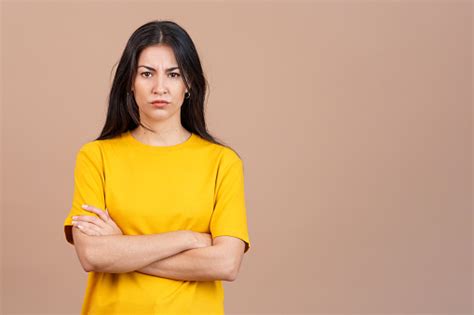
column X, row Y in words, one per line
column 164, row 216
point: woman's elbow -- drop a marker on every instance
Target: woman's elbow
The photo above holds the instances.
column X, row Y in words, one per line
column 83, row 250
column 233, row 270
column 86, row 264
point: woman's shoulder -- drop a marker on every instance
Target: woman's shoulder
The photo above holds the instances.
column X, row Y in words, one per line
column 222, row 152
column 95, row 149
column 90, row 152
column 101, row 144
column 228, row 156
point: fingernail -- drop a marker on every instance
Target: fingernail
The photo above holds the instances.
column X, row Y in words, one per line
column 84, row 206
column 74, row 217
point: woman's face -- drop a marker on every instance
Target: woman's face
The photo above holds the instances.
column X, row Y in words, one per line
column 158, row 78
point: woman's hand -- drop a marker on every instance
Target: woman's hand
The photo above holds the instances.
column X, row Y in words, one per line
column 93, row 226
column 203, row 239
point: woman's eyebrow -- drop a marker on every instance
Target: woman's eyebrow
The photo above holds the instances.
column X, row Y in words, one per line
column 150, row 68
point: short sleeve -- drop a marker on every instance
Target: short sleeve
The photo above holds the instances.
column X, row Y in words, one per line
column 229, row 215
column 89, row 182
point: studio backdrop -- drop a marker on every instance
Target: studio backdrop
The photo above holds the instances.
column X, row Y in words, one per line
column 352, row 118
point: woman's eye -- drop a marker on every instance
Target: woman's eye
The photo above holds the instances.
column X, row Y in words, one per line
column 173, row 74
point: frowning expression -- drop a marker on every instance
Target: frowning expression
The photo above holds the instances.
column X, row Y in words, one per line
column 158, row 77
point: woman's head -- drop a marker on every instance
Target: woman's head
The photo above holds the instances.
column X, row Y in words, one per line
column 158, row 45
column 158, row 77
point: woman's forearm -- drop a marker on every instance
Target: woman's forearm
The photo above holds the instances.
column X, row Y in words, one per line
column 199, row 264
column 126, row 253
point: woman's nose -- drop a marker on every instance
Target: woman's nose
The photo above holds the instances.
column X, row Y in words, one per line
column 159, row 86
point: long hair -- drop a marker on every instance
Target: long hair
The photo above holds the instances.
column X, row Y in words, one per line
column 123, row 114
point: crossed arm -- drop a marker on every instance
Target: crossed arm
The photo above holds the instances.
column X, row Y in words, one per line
column 177, row 257
column 221, row 261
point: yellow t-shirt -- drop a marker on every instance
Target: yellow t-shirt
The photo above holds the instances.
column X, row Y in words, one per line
column 194, row 185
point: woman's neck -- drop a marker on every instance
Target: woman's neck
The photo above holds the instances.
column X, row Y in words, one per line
column 171, row 136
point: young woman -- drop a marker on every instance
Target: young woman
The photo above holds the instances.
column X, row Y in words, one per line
column 158, row 216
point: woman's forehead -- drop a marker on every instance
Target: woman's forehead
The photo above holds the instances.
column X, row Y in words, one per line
column 157, row 55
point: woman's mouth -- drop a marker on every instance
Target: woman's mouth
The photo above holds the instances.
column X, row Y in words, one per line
column 159, row 104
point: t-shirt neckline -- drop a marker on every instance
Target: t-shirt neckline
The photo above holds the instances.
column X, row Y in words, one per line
column 135, row 142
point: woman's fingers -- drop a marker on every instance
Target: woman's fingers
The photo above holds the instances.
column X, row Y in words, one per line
column 103, row 224
column 87, row 228
column 97, row 211
column 88, row 218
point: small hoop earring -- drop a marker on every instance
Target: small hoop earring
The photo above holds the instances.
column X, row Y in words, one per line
column 187, row 95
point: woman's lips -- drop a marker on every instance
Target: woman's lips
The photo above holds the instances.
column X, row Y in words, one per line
column 159, row 104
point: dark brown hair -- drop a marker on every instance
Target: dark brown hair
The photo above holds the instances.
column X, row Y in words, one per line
column 123, row 113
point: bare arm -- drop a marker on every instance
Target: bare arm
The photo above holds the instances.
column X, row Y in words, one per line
column 221, row 261
column 126, row 253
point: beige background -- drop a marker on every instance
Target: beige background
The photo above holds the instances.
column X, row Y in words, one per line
column 353, row 119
